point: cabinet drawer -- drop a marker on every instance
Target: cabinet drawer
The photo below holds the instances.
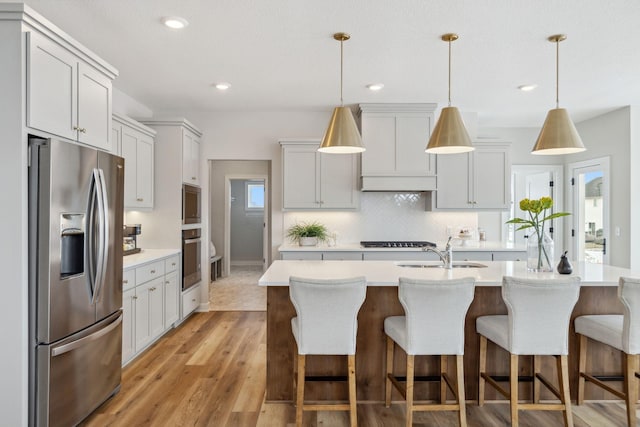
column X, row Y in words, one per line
column 171, row 264
column 149, row 271
column 342, row 256
column 128, row 279
column 301, row 256
column 190, row 301
column 510, row 256
column 471, row 256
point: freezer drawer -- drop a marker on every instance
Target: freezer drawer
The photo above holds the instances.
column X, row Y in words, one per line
column 79, row 373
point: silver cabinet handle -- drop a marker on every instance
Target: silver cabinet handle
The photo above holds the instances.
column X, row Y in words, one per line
column 173, row 264
column 193, row 178
column 140, row 199
column 166, row 282
column 134, row 297
column 153, row 272
column 125, row 281
column 153, row 289
column 193, row 300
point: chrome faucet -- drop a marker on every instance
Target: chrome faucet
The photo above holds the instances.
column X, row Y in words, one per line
column 446, row 256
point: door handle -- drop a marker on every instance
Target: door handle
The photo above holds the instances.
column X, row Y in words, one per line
column 57, row 351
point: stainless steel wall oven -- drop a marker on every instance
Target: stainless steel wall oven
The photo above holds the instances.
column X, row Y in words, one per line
column 191, row 250
column 191, row 204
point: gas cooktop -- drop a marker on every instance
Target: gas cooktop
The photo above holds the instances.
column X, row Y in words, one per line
column 396, row 244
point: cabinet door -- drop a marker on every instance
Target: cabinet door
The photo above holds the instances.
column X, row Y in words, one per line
column 142, row 326
column 300, row 171
column 94, row 107
column 454, row 181
column 116, row 138
column 128, row 324
column 156, row 307
column 144, row 172
column 379, row 136
column 338, row 178
column 492, row 183
column 190, row 158
column 129, row 151
column 51, row 87
column 412, row 136
column 171, row 293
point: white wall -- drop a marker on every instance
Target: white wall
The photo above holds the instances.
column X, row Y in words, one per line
column 124, row 104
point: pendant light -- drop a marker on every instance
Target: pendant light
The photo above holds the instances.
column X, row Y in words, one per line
column 449, row 136
column 342, row 135
column 558, row 134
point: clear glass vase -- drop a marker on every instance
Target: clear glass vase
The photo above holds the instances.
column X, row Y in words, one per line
column 540, row 252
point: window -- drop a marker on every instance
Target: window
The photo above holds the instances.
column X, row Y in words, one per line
column 255, row 195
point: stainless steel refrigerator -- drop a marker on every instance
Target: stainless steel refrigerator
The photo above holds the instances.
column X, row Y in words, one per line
column 75, row 280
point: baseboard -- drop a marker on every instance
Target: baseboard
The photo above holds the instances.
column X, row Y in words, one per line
column 245, row 263
column 203, row 307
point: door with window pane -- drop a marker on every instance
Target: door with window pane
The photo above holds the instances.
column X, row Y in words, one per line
column 590, row 232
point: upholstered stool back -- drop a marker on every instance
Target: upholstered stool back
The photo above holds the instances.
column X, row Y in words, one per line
column 327, row 310
column 539, row 314
column 629, row 293
column 435, row 312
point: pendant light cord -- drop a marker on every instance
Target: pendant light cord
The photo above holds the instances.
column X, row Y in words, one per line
column 449, row 72
column 341, row 73
column 557, row 73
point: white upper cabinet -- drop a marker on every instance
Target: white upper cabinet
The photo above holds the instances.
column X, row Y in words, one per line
column 190, row 158
column 136, row 145
column 395, row 137
column 66, row 96
column 313, row 180
column 478, row 180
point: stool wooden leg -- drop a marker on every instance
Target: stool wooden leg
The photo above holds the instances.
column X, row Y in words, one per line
column 410, row 368
column 300, row 389
column 582, row 367
column 482, row 368
column 353, row 409
column 462, row 417
column 536, row 382
column 563, row 382
column 387, row 387
column 443, row 383
column 631, row 386
column 513, row 383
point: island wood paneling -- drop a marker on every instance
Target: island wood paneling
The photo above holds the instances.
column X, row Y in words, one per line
column 382, row 302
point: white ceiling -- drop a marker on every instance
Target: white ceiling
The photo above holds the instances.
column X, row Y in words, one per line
column 280, row 54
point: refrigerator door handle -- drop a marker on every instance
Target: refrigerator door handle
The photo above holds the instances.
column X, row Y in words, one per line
column 65, row 348
column 103, row 233
column 91, row 235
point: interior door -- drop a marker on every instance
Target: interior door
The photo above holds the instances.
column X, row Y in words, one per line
column 533, row 182
column 590, row 231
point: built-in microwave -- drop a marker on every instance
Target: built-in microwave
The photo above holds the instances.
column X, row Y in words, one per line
column 190, row 204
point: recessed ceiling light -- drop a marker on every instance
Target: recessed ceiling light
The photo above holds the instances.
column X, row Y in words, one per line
column 222, row 85
column 527, row 88
column 174, row 22
column 375, row 86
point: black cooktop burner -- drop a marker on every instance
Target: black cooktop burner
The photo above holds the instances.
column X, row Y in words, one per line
column 396, row 244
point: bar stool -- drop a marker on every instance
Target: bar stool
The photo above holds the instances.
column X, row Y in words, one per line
column 621, row 332
column 433, row 324
column 537, row 324
column 326, row 324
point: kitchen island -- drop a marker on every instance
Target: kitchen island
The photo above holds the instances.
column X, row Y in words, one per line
column 598, row 295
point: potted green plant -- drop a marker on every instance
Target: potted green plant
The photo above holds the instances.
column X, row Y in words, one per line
column 307, row 233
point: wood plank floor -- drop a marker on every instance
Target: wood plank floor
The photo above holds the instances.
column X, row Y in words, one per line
column 211, row 371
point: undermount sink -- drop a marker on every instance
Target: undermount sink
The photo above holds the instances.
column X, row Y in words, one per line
column 456, row 264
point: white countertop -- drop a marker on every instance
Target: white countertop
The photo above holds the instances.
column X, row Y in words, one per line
column 147, row 255
column 386, row 273
column 470, row 246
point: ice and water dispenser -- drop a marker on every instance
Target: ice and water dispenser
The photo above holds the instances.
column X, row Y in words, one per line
column 72, row 229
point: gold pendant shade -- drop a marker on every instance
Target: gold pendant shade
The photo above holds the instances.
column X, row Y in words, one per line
column 342, row 135
column 558, row 135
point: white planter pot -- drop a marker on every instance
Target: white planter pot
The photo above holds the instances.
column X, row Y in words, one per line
column 308, row 241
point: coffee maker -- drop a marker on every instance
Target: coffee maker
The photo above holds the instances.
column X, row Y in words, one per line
column 129, row 239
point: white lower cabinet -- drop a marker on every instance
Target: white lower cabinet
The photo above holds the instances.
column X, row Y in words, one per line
column 149, row 304
column 190, row 300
